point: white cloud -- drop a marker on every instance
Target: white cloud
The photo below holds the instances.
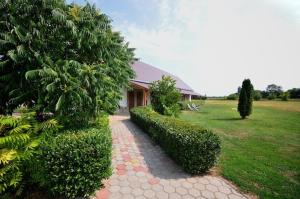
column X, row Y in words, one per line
column 290, row 8
column 214, row 44
column 171, row 40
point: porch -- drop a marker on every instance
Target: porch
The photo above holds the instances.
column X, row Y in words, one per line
column 138, row 96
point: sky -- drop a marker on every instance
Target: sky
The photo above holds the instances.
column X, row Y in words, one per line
column 213, row 45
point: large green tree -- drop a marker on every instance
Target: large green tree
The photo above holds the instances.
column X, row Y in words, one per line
column 274, row 90
column 294, row 93
column 61, row 58
column 246, row 99
column 165, row 96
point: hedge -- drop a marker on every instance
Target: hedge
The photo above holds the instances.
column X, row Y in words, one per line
column 194, row 148
column 73, row 163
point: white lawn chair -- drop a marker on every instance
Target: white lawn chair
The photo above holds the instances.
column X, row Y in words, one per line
column 191, row 108
column 194, row 106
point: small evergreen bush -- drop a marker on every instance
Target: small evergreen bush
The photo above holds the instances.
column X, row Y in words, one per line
column 73, row 163
column 194, row 148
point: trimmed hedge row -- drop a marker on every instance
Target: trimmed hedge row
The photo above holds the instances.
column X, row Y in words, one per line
column 73, row 163
column 194, row 148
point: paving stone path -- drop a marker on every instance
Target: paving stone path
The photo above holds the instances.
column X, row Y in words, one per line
column 142, row 170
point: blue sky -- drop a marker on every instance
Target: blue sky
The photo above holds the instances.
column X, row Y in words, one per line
column 213, row 44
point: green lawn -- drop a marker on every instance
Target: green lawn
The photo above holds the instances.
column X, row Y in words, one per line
column 260, row 154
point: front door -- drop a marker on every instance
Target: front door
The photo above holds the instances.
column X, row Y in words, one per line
column 139, row 98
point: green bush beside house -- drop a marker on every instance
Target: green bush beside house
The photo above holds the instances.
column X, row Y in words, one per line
column 165, row 96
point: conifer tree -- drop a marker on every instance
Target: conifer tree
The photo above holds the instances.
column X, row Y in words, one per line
column 245, row 99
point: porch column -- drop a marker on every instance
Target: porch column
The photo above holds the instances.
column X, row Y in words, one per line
column 190, row 97
column 144, row 97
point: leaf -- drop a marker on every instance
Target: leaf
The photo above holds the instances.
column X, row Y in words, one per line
column 19, row 34
column 58, row 15
column 51, row 87
column 20, row 129
column 3, row 42
column 2, row 64
column 59, row 102
column 7, row 155
column 6, row 77
column 12, row 54
column 33, row 74
column 33, row 144
column 14, row 140
column 50, row 124
column 8, row 121
column 21, row 50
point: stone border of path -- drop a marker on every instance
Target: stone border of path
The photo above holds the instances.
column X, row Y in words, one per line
column 142, row 170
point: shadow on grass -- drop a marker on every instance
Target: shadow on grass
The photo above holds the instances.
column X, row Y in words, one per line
column 203, row 112
column 228, row 119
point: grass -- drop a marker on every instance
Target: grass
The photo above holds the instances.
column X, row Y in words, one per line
column 260, row 154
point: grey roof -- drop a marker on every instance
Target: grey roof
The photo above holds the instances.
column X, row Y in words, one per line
column 146, row 73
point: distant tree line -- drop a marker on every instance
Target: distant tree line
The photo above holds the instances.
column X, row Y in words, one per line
column 272, row 92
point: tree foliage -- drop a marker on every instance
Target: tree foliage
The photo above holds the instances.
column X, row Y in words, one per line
column 19, row 141
column 285, row 96
column 61, row 58
column 257, row 95
column 274, row 90
column 232, row 96
column 165, row 97
column 245, row 99
column 294, row 93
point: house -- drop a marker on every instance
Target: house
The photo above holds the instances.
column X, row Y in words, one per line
column 145, row 74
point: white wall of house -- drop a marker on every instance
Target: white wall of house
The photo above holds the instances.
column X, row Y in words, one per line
column 123, row 101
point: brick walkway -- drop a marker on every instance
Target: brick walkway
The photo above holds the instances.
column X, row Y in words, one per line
column 142, row 170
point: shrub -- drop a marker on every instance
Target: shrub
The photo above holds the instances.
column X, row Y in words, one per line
column 232, row 97
column 271, row 96
column 257, row 95
column 165, row 96
column 19, row 141
column 203, row 97
column 285, row 96
column 73, row 164
column 245, row 99
column 194, row 148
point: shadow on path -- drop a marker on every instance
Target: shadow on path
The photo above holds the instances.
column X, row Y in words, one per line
column 159, row 164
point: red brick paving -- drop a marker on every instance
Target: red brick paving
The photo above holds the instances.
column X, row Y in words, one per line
column 142, row 170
